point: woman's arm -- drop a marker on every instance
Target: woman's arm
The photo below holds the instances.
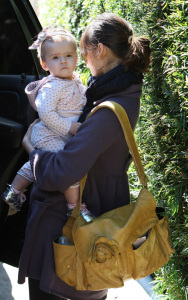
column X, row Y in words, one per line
column 58, row 171
column 26, row 142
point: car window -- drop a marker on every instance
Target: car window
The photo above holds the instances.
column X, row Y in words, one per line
column 15, row 58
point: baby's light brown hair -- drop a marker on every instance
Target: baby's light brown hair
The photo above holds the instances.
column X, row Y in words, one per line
column 52, row 34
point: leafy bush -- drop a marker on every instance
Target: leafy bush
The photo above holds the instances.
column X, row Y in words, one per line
column 167, row 99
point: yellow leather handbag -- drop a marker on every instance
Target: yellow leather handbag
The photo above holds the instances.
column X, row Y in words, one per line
column 132, row 241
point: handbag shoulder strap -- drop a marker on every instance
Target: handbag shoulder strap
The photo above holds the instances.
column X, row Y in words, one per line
column 129, row 137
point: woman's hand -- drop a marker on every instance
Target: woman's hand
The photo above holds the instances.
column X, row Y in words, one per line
column 26, row 143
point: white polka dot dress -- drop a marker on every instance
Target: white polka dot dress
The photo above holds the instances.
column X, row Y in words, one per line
column 58, row 103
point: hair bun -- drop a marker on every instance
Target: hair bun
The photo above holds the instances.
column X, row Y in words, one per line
column 138, row 56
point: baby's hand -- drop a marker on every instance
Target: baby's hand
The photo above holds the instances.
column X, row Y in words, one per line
column 74, row 127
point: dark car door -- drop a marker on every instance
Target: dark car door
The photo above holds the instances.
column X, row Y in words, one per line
column 18, row 67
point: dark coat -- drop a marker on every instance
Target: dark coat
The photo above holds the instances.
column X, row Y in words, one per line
column 98, row 149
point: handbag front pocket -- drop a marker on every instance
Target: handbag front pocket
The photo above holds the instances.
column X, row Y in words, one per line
column 65, row 262
column 154, row 252
column 103, row 265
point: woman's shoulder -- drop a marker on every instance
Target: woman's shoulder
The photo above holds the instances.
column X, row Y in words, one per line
column 129, row 99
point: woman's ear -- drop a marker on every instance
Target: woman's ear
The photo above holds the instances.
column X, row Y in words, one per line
column 101, row 50
column 43, row 65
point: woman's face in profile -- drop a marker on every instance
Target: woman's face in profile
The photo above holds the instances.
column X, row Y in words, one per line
column 92, row 61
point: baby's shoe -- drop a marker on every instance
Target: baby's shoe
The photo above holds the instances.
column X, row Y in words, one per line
column 86, row 214
column 13, row 199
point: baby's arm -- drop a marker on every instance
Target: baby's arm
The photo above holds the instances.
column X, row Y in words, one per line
column 46, row 102
column 74, row 127
column 32, row 89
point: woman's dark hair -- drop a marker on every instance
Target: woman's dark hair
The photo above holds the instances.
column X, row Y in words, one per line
column 117, row 34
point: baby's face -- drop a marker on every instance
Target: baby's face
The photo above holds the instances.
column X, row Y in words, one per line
column 60, row 57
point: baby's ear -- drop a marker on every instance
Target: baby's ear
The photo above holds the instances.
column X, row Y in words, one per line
column 43, row 65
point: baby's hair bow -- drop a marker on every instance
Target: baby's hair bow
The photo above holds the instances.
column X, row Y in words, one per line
column 40, row 39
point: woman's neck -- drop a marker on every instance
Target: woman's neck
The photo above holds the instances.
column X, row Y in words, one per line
column 110, row 67
column 111, row 61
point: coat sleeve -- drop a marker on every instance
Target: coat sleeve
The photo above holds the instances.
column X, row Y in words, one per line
column 58, row 171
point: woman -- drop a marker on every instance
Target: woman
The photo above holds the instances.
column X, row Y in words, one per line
column 116, row 60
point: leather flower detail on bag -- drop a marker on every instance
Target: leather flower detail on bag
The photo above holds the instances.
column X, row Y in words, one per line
column 103, row 250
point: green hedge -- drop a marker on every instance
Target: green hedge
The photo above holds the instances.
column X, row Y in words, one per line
column 167, row 109
column 162, row 130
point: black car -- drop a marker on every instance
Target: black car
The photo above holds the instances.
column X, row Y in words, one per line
column 18, row 66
